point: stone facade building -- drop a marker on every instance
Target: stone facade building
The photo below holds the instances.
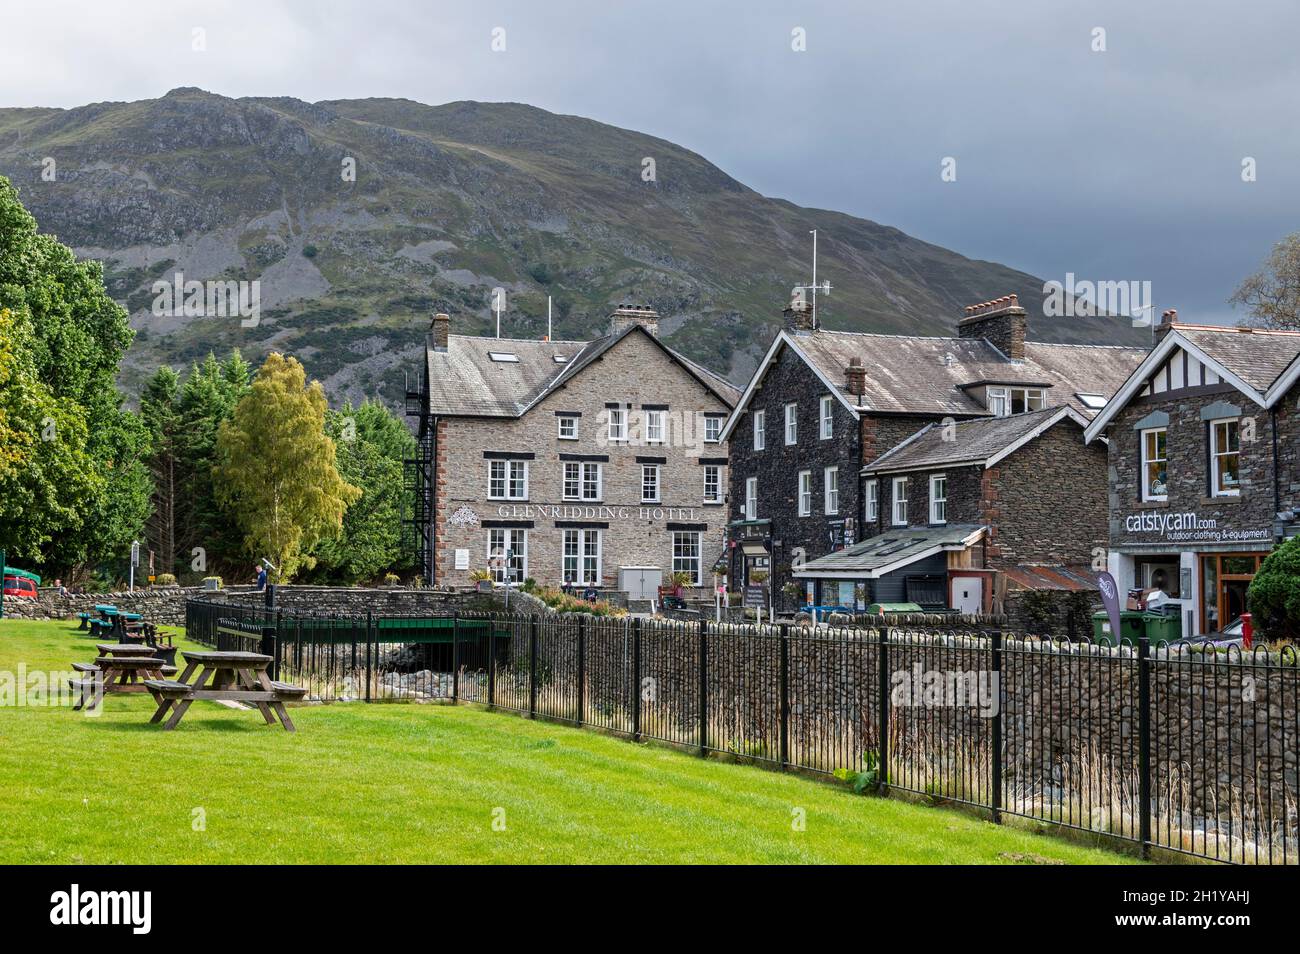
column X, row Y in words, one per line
column 1204, row 476
column 966, row 518
column 599, row 463
column 823, row 405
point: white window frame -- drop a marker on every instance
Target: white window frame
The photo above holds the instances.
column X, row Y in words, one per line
column 751, row 498
column 791, row 424
column 1002, row 399
column 713, row 476
column 1216, row 456
column 760, row 429
column 520, row 560
column 897, row 513
column 617, row 424
column 713, row 429
column 696, row 562
column 831, row 491
column 805, row 493
column 938, row 504
column 873, row 500
column 582, row 572
column 572, row 421
column 656, row 427
column 826, row 417
column 578, row 475
column 1144, row 462
column 646, row 471
column 509, row 477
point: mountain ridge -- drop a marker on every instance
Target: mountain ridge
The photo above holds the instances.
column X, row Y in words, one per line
column 448, row 203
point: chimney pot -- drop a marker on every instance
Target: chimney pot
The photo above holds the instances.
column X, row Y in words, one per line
column 1001, row 321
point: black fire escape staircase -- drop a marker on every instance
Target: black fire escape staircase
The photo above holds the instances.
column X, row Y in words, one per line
column 418, row 476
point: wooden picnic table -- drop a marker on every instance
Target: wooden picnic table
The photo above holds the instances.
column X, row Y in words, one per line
column 114, row 673
column 224, row 676
column 123, row 649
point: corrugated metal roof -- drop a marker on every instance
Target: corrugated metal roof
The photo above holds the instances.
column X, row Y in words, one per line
column 1064, row 578
column 891, row 549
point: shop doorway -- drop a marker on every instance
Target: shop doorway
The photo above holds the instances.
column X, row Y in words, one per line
column 1226, row 577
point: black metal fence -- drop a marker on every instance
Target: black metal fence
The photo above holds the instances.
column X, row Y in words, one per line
column 1162, row 746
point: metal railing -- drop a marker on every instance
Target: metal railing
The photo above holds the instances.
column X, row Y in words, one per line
column 1160, row 746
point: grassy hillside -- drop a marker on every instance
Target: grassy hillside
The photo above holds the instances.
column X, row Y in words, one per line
column 448, row 203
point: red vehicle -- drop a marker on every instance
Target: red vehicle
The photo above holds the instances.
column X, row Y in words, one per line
column 20, row 586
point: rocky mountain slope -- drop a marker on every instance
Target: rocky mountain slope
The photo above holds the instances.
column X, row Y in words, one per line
column 448, row 203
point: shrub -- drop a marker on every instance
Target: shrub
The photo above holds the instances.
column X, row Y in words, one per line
column 478, row 576
column 1274, row 594
column 164, row 579
column 391, row 579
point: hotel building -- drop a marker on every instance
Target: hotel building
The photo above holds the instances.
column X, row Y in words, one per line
column 597, row 463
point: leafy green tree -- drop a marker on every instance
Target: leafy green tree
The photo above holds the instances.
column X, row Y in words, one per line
column 277, row 467
column 1274, row 594
column 372, row 443
column 209, row 396
column 160, row 414
column 73, row 338
column 46, row 476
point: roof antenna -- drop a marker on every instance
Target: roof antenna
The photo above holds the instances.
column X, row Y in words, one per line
column 825, row 286
column 548, row 317
column 497, row 295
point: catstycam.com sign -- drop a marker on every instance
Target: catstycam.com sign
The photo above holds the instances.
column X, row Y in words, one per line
column 1189, row 527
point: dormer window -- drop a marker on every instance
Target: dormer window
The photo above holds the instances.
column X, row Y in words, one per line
column 1004, row 401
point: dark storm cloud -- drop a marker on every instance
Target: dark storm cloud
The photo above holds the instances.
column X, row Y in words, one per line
column 1123, row 164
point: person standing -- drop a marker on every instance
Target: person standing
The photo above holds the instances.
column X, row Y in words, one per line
column 259, row 579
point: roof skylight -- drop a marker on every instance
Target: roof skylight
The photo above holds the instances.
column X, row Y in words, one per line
column 504, row 356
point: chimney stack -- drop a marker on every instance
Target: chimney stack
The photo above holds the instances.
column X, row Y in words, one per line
column 439, row 331
column 1168, row 321
column 626, row 315
column 855, row 378
column 1000, row 321
column 799, row 314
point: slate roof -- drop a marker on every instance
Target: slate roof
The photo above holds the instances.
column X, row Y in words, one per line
column 464, row 380
column 891, row 550
column 926, row 375
column 969, row 442
column 1257, row 357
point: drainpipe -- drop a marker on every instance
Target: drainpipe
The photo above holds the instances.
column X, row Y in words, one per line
column 1277, row 491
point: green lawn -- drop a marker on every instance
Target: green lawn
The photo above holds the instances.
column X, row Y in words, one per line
column 410, row 783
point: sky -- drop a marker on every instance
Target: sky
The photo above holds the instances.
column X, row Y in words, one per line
column 1154, row 141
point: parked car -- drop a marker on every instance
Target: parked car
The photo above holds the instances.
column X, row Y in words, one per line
column 1230, row 635
column 19, row 586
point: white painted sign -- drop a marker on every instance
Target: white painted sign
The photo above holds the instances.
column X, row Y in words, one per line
column 594, row 512
column 1190, row 527
column 462, row 559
